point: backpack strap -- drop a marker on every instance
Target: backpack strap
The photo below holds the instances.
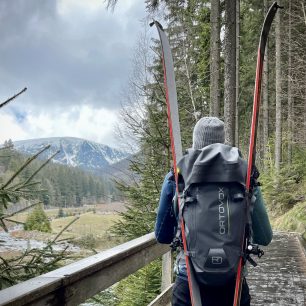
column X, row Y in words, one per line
column 185, row 198
column 177, row 242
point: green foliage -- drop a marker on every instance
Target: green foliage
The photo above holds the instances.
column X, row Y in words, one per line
column 38, row 220
column 284, row 190
column 33, row 262
column 140, row 288
column 17, row 181
column 250, row 26
column 105, row 298
column 61, row 213
column 54, row 185
column 292, row 220
column 13, row 185
column 87, row 241
column 140, row 216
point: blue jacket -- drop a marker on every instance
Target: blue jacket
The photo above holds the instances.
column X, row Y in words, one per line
column 166, row 222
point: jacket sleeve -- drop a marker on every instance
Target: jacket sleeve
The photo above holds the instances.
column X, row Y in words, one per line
column 166, row 222
column 262, row 231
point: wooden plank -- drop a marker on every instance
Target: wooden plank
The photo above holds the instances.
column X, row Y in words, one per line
column 91, row 285
column 166, row 271
column 74, row 283
column 280, row 277
column 29, row 290
column 164, row 298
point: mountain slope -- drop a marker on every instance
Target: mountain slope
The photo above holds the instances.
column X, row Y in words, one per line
column 74, row 152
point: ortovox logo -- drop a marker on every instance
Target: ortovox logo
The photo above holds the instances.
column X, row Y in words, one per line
column 221, row 212
column 216, row 260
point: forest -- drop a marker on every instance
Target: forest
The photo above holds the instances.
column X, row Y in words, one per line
column 57, row 185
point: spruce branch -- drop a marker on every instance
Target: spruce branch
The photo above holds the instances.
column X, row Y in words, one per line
column 14, row 221
column 24, row 166
column 60, row 233
column 13, row 97
column 42, row 166
column 3, row 225
column 20, row 210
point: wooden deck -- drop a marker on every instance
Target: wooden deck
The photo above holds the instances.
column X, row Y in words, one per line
column 280, row 277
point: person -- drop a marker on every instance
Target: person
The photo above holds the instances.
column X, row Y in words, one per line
column 208, row 130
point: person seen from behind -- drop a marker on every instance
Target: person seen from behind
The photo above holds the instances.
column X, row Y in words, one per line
column 207, row 131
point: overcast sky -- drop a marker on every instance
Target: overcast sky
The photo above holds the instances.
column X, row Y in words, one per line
column 74, row 57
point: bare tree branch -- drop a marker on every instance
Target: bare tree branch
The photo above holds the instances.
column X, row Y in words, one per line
column 12, row 98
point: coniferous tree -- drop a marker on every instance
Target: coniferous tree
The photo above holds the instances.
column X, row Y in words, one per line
column 230, row 71
column 278, row 93
column 215, row 59
column 265, row 95
column 37, row 220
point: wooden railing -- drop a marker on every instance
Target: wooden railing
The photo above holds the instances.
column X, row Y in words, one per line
column 269, row 283
column 75, row 283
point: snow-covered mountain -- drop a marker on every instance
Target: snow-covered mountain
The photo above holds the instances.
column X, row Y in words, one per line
column 74, row 152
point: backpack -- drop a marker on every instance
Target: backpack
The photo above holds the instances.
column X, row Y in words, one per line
column 213, row 205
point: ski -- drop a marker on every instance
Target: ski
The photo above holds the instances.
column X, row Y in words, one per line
column 252, row 146
column 176, row 143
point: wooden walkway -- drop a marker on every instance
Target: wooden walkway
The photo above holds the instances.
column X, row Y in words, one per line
column 280, row 277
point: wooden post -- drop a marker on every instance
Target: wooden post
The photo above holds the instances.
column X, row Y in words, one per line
column 166, row 272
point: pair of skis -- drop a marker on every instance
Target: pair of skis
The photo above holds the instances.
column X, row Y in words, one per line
column 176, row 145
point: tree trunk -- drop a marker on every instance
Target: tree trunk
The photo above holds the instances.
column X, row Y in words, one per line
column 265, row 95
column 230, row 71
column 290, row 106
column 215, row 59
column 304, row 126
column 237, row 71
column 278, row 90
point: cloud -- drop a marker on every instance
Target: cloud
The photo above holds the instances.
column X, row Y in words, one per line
column 79, row 121
column 67, row 51
column 74, row 56
column 10, row 128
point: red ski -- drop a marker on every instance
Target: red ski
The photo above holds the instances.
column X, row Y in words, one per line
column 252, row 148
column 176, row 144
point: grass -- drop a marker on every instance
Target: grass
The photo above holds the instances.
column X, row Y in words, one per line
column 53, row 213
column 91, row 230
column 95, row 224
column 293, row 220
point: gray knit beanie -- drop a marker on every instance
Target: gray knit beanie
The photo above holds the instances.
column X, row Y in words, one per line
column 208, row 130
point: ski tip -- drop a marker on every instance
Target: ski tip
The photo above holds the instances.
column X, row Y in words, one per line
column 157, row 24
column 277, row 6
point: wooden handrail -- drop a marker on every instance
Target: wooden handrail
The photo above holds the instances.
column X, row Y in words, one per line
column 75, row 283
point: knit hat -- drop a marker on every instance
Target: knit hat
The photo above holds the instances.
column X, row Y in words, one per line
column 208, row 130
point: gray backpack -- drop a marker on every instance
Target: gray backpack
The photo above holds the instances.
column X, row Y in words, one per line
column 214, row 209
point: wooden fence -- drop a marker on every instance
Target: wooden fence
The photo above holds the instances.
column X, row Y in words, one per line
column 75, row 283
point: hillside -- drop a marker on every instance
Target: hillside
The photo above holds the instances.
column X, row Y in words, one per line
column 74, row 152
column 60, row 185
